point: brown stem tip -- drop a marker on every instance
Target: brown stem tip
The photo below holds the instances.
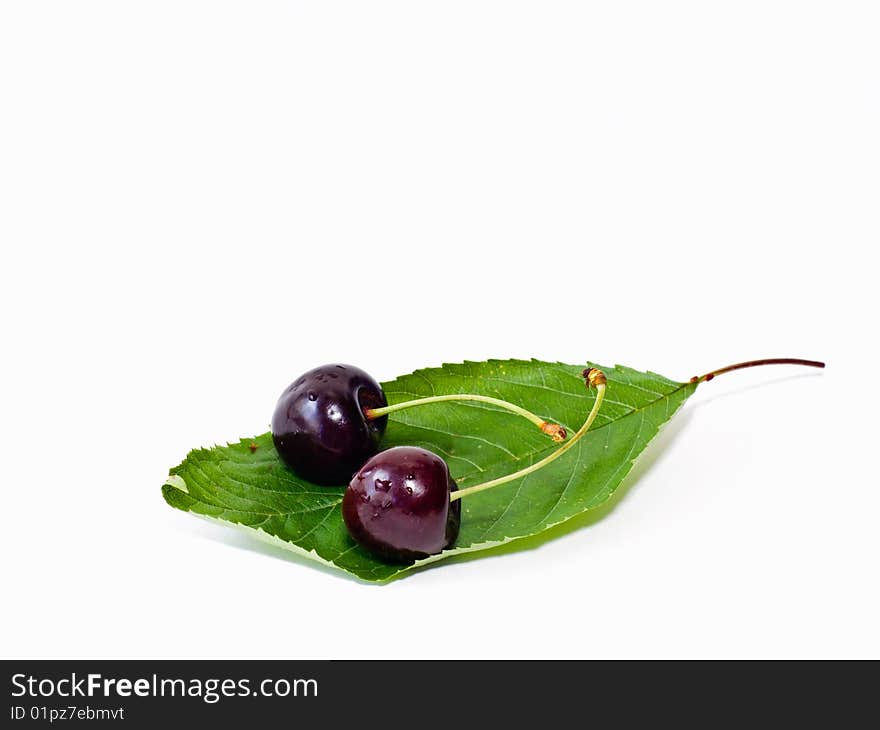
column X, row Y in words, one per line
column 554, row 430
column 594, row 377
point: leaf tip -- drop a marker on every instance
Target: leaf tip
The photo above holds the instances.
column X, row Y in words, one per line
column 177, row 482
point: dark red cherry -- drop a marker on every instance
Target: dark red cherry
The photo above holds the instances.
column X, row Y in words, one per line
column 319, row 427
column 397, row 505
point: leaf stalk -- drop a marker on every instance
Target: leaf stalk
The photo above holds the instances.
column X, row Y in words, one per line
column 755, row 363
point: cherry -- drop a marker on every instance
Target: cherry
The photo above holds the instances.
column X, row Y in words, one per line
column 398, row 505
column 319, row 427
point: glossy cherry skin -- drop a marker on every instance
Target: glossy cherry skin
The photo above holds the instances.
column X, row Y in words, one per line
column 397, row 505
column 319, row 427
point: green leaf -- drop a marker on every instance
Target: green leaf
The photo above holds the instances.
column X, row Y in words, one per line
column 246, row 486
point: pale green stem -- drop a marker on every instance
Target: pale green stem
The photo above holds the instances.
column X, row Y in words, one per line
column 600, row 394
column 551, row 429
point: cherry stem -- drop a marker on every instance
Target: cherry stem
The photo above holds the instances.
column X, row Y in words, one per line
column 595, row 378
column 755, row 363
column 556, row 432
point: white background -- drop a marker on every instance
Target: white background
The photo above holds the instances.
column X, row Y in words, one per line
column 200, row 200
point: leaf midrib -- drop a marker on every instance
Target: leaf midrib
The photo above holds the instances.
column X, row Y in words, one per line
column 531, row 453
column 333, row 503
